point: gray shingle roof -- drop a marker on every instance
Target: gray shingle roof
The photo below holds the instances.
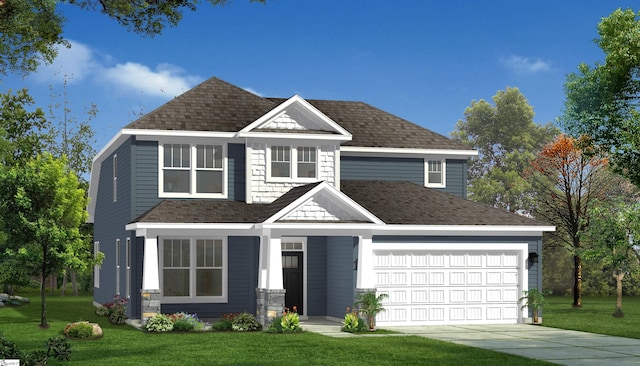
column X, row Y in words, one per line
column 216, row 105
column 392, row 202
column 408, row 203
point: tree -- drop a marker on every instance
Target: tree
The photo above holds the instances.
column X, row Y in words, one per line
column 32, row 29
column 602, row 101
column 567, row 179
column 614, row 230
column 506, row 139
column 41, row 209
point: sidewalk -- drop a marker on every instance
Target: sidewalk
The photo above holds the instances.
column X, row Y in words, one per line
column 564, row 347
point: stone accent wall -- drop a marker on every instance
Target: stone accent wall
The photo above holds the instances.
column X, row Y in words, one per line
column 269, row 305
column 267, row 192
column 150, row 304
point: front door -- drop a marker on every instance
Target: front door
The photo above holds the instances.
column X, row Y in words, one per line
column 293, row 282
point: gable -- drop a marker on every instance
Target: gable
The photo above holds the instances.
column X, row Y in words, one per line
column 298, row 116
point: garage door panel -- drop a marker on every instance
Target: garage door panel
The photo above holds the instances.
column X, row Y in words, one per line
column 454, row 287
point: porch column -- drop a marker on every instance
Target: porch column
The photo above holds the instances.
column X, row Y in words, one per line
column 270, row 291
column 364, row 276
column 150, row 304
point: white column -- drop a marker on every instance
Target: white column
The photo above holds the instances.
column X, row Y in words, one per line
column 364, row 277
column 274, row 263
column 262, row 261
column 150, row 272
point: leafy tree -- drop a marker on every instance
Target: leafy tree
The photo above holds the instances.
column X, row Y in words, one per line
column 41, row 209
column 32, row 29
column 506, row 139
column 614, row 230
column 602, row 101
column 567, row 179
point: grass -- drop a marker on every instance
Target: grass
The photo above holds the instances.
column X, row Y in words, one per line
column 124, row 345
column 595, row 316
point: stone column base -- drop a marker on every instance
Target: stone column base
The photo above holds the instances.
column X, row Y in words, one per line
column 269, row 305
column 150, row 304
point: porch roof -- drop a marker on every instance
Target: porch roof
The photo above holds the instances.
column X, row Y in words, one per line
column 396, row 203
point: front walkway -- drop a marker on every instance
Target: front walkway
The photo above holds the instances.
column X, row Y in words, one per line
column 564, row 347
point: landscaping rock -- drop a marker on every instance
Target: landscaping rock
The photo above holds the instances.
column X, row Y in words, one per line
column 96, row 332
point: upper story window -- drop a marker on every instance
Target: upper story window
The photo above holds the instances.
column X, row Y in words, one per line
column 435, row 173
column 193, row 170
column 292, row 163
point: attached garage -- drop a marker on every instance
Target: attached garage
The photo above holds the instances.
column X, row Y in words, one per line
column 437, row 284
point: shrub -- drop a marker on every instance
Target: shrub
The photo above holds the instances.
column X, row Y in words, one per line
column 159, row 323
column 275, row 326
column 116, row 310
column 245, row 322
column 351, row 321
column 370, row 305
column 56, row 347
column 290, row 321
column 102, row 311
column 182, row 325
column 226, row 323
column 79, row 330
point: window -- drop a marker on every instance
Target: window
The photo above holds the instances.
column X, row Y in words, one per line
column 194, row 269
column 281, row 161
column 435, row 173
column 118, row 267
column 292, row 163
column 115, row 178
column 127, row 254
column 193, row 170
column 96, row 267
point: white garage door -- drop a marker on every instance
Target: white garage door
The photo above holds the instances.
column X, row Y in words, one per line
column 449, row 287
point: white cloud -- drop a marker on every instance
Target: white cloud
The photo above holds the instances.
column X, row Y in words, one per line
column 165, row 80
column 525, row 64
column 80, row 62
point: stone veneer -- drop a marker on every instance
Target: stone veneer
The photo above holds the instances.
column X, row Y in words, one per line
column 263, row 191
column 269, row 305
column 150, row 305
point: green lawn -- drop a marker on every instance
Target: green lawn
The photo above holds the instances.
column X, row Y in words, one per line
column 595, row 316
column 123, row 345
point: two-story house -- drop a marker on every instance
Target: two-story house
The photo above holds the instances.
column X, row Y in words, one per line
column 223, row 201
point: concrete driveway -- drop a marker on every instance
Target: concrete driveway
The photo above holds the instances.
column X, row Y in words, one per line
column 564, row 347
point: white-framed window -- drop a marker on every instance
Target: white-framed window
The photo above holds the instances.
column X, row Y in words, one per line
column 292, row 163
column 115, row 178
column 193, row 170
column 96, row 268
column 118, row 267
column 434, row 173
column 193, row 269
column 127, row 261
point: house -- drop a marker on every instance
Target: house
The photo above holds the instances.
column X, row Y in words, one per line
column 223, row 201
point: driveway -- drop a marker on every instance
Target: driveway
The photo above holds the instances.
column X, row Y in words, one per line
column 564, row 347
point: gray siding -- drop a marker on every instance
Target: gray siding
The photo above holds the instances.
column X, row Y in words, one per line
column 340, row 290
column 403, row 169
column 145, row 171
column 366, row 168
column 456, row 176
column 534, row 243
column 237, row 162
column 242, row 282
column 110, row 220
column 316, row 276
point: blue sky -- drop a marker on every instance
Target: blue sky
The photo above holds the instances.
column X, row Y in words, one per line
column 424, row 61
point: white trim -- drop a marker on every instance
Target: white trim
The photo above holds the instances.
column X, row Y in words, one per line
column 399, row 152
column 150, row 265
column 154, row 135
column 248, row 166
column 292, row 136
column 303, row 240
column 306, row 106
column 192, row 298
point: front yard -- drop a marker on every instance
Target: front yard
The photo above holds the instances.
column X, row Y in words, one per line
column 124, row 345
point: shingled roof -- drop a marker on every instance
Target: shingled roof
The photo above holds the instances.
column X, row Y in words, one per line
column 392, row 202
column 218, row 106
column 397, row 202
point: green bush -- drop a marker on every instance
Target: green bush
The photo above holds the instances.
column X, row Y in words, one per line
column 290, row 322
column 275, row 326
column 183, row 325
column 80, row 330
column 351, row 321
column 223, row 325
column 159, row 323
column 245, row 322
column 56, row 347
